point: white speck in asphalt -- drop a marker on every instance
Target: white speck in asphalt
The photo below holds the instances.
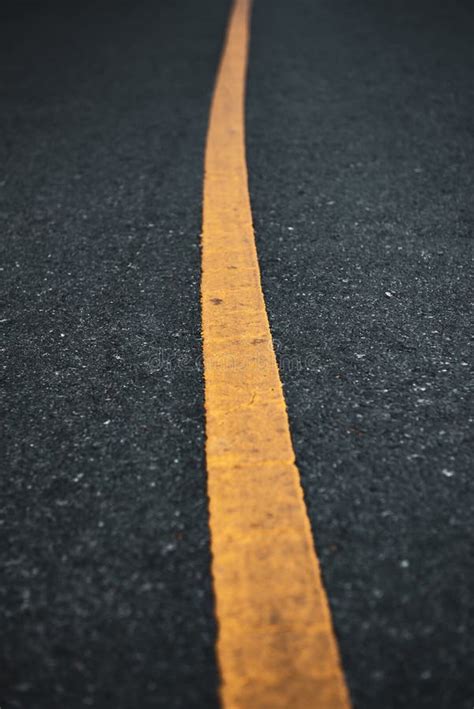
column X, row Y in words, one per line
column 404, row 563
column 388, row 294
column 448, row 473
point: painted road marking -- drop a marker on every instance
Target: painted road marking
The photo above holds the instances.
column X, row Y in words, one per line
column 276, row 646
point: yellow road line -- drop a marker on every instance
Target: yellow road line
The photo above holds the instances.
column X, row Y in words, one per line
column 276, row 647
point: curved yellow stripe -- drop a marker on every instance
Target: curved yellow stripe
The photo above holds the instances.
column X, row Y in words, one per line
column 276, row 647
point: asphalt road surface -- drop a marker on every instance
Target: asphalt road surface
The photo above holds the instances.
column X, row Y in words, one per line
column 360, row 149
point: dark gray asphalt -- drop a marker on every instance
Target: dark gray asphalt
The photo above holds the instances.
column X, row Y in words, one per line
column 361, row 160
column 105, row 596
